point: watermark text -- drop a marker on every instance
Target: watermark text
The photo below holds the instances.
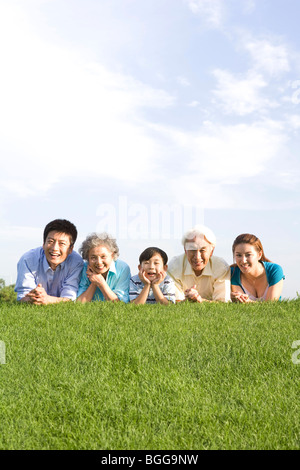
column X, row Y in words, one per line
column 295, row 355
column 135, row 221
column 2, row 352
column 296, row 94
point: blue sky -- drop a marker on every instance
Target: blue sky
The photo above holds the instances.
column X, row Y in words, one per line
column 145, row 117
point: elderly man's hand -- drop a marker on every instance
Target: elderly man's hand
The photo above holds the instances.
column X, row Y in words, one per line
column 193, row 295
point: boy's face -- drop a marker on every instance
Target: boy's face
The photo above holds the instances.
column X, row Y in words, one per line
column 153, row 266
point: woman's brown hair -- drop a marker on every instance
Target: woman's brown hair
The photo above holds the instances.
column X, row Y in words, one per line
column 251, row 240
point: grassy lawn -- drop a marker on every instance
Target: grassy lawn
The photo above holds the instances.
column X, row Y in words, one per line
column 115, row 376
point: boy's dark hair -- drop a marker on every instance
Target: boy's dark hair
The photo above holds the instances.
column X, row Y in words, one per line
column 151, row 251
column 61, row 226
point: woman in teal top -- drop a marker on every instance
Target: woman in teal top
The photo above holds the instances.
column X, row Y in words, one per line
column 254, row 277
column 104, row 277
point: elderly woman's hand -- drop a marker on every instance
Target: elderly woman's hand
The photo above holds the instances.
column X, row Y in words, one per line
column 93, row 277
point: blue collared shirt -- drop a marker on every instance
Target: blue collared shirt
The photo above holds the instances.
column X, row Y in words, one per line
column 118, row 279
column 33, row 269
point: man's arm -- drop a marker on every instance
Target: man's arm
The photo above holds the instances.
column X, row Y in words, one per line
column 26, row 280
column 39, row 296
column 71, row 282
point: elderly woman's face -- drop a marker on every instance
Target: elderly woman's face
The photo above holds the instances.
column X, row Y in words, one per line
column 100, row 259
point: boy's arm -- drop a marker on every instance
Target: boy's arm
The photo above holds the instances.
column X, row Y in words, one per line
column 136, row 294
column 143, row 296
column 158, row 294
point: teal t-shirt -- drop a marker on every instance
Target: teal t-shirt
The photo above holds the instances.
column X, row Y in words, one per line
column 274, row 274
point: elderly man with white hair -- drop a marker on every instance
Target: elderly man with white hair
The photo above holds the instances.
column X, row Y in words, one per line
column 199, row 276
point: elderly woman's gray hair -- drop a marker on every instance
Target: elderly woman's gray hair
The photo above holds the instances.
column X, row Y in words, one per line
column 199, row 231
column 96, row 239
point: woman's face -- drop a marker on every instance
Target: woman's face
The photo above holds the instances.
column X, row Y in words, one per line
column 100, row 259
column 246, row 257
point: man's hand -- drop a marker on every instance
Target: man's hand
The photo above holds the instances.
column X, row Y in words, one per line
column 37, row 296
column 193, row 295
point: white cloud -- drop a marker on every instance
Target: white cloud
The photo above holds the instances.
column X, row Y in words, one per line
column 183, row 81
column 63, row 116
column 268, row 57
column 220, row 157
column 293, row 121
column 212, row 11
column 241, row 95
column 249, row 6
column 194, row 104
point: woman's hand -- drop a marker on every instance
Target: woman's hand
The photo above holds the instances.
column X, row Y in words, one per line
column 94, row 278
column 240, row 297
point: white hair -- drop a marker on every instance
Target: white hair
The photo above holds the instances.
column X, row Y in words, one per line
column 199, row 231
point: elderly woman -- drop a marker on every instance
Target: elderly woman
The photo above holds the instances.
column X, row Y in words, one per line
column 104, row 277
column 199, row 276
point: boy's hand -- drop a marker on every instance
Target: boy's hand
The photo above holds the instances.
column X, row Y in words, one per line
column 159, row 278
column 143, row 277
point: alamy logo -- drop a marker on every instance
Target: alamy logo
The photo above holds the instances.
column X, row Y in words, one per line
column 296, row 94
column 295, row 355
column 141, row 222
column 2, row 352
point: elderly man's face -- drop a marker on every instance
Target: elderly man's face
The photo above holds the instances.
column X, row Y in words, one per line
column 198, row 252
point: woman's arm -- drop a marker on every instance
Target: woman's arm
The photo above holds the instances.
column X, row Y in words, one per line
column 238, row 295
column 274, row 292
column 108, row 294
column 87, row 296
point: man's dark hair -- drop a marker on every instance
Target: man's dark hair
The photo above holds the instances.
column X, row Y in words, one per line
column 151, row 251
column 61, row 226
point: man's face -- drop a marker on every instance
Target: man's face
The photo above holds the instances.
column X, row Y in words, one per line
column 57, row 248
column 198, row 252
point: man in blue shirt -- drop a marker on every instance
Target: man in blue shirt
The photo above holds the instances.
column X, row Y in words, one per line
column 50, row 273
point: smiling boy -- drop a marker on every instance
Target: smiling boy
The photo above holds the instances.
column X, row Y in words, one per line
column 152, row 284
column 51, row 273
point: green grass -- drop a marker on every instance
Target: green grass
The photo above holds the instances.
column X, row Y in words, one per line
column 114, row 376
